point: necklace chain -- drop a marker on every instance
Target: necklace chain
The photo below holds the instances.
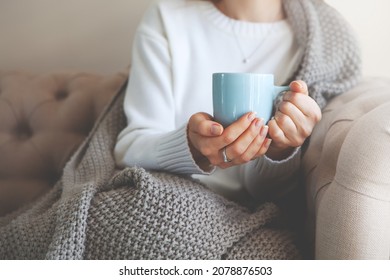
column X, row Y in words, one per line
column 246, row 58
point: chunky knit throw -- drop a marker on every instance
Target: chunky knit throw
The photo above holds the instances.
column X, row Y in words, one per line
column 331, row 62
column 98, row 212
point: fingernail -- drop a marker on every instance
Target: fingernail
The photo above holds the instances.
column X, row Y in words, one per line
column 259, row 122
column 264, row 131
column 251, row 116
column 297, row 84
column 269, row 141
column 215, row 129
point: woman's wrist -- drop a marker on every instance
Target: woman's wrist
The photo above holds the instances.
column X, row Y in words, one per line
column 279, row 152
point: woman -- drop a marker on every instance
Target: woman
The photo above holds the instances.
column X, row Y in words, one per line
column 180, row 43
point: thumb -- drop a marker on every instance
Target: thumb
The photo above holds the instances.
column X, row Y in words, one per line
column 299, row 86
column 202, row 124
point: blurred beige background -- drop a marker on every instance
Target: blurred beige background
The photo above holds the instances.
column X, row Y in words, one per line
column 96, row 35
column 371, row 21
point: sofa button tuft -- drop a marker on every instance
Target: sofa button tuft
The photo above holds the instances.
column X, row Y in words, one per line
column 61, row 95
column 23, row 131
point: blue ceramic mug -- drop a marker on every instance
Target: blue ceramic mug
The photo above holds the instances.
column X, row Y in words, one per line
column 235, row 94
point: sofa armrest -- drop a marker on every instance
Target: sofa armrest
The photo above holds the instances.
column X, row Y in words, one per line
column 346, row 169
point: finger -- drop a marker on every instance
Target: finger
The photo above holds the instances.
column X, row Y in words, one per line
column 232, row 132
column 295, row 133
column 305, row 104
column 289, row 109
column 258, row 147
column 303, row 124
column 299, row 86
column 202, row 124
column 276, row 133
column 286, row 124
column 211, row 147
column 264, row 148
column 238, row 150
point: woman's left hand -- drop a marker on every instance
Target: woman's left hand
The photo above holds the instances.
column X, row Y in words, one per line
column 293, row 122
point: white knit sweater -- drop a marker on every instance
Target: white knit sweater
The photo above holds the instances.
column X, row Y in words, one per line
column 177, row 47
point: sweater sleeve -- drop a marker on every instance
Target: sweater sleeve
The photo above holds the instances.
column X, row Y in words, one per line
column 151, row 139
column 265, row 176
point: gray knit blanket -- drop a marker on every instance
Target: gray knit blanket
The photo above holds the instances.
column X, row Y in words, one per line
column 98, row 212
column 331, row 63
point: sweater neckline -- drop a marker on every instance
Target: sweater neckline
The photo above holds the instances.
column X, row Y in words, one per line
column 239, row 27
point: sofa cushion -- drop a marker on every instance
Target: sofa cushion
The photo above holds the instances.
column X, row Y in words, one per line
column 43, row 119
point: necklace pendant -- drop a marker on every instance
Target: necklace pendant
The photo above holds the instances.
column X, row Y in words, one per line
column 245, row 60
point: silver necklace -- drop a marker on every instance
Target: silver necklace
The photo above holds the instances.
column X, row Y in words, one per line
column 246, row 58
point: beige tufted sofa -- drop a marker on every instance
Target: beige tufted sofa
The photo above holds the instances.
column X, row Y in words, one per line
column 347, row 174
column 43, row 119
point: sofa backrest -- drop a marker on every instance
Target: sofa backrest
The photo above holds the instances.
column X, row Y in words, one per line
column 43, row 120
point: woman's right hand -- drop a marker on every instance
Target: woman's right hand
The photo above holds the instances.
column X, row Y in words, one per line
column 243, row 141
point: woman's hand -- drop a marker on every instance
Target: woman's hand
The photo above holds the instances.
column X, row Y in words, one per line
column 241, row 142
column 294, row 121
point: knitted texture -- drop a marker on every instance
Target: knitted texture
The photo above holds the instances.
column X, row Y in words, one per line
column 331, row 62
column 98, row 212
column 168, row 217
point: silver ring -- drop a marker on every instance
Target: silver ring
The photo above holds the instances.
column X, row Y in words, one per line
column 225, row 157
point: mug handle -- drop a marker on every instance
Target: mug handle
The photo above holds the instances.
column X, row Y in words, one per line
column 279, row 89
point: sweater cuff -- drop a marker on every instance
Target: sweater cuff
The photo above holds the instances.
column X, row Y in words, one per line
column 174, row 155
column 272, row 178
column 288, row 165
